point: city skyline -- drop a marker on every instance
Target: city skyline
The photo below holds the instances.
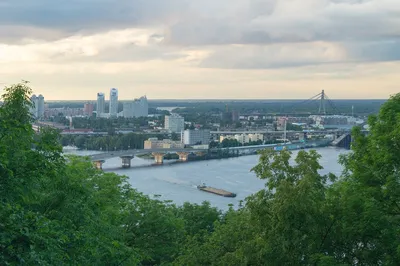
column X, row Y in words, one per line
column 237, row 49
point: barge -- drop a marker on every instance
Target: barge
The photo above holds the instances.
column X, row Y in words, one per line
column 216, row 191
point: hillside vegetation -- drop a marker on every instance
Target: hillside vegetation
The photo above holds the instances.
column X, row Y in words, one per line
column 60, row 210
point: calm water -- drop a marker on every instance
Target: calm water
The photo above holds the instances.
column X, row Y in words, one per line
column 177, row 182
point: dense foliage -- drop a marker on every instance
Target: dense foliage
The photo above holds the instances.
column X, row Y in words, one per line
column 115, row 142
column 58, row 210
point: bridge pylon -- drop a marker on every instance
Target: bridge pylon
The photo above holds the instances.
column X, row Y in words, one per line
column 158, row 157
column 126, row 161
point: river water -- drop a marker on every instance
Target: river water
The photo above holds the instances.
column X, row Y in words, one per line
column 178, row 181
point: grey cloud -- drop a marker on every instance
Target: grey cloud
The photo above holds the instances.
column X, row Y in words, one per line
column 388, row 50
column 365, row 28
column 208, row 22
column 87, row 16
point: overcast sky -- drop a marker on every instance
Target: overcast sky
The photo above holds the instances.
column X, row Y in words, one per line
column 178, row 49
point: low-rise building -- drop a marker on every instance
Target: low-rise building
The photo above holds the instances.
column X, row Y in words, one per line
column 154, row 143
column 221, row 138
column 256, row 137
column 242, row 138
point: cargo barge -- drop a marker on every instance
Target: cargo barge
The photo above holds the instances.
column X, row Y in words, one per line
column 216, row 191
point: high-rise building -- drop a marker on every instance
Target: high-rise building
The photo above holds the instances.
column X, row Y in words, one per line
column 113, row 102
column 235, row 116
column 129, row 109
column 136, row 108
column 144, row 106
column 100, row 108
column 196, row 137
column 88, row 109
column 37, row 110
column 34, row 107
column 40, row 107
column 174, row 123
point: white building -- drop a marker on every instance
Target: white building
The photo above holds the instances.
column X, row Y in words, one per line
column 100, row 108
column 196, row 137
column 242, row 138
column 40, row 106
column 143, row 107
column 137, row 108
column 174, row 123
column 256, row 137
column 113, row 102
column 34, row 109
column 37, row 110
column 128, row 109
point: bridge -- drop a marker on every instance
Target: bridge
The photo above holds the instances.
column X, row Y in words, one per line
column 278, row 132
column 158, row 154
column 128, row 155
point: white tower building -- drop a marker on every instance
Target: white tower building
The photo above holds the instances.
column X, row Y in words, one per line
column 34, row 108
column 113, row 102
column 136, row 108
column 144, row 106
column 40, row 106
column 129, row 109
column 100, row 104
column 174, row 123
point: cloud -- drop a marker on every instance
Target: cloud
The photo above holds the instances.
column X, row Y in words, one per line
column 118, row 45
column 210, row 22
column 180, row 42
column 274, row 55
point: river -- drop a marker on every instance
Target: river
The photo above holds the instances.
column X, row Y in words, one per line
column 177, row 182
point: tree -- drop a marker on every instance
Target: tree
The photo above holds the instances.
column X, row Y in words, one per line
column 371, row 189
column 175, row 136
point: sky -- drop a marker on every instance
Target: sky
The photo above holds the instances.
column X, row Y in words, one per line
column 202, row 49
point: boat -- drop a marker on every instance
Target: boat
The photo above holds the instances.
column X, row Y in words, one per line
column 216, row 191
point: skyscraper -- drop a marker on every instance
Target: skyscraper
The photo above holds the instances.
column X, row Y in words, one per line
column 40, row 106
column 136, row 108
column 144, row 106
column 113, row 102
column 34, row 109
column 100, row 104
column 129, row 109
column 37, row 110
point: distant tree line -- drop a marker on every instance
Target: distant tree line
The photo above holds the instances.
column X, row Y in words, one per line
column 114, row 142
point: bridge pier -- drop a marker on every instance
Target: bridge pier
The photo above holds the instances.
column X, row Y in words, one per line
column 183, row 156
column 158, row 157
column 126, row 161
column 99, row 164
